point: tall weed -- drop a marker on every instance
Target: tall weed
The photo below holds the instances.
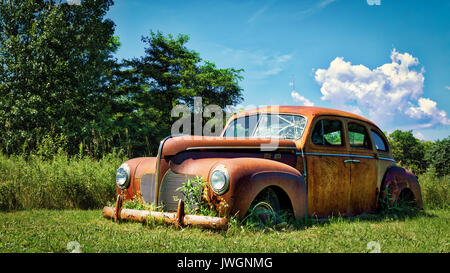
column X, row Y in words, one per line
column 29, row 182
column 435, row 190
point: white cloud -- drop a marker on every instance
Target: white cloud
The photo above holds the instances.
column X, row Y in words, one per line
column 384, row 93
column 428, row 109
column 419, row 135
column 448, row 87
column 299, row 98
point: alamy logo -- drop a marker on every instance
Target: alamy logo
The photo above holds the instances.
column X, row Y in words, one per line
column 73, row 247
column 373, row 247
column 373, row 2
column 74, row 2
column 214, row 126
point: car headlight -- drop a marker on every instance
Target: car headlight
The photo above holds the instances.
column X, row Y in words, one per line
column 123, row 176
column 219, row 180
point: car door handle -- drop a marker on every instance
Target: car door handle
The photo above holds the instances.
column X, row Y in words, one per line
column 351, row 161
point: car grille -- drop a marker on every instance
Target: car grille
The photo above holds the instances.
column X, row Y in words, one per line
column 148, row 187
column 168, row 194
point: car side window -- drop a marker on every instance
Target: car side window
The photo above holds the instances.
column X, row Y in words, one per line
column 358, row 136
column 378, row 141
column 327, row 133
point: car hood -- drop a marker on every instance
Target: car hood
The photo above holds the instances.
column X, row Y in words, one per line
column 175, row 145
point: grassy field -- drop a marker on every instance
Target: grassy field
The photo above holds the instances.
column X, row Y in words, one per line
column 41, row 204
column 52, row 230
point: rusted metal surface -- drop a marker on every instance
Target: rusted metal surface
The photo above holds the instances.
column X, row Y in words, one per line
column 328, row 176
column 328, row 185
column 178, row 144
column 180, row 214
column 118, row 208
column 179, row 219
column 398, row 179
column 248, row 177
column 333, row 185
column 363, row 185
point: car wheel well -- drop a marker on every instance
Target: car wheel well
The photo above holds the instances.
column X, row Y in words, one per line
column 407, row 197
column 283, row 198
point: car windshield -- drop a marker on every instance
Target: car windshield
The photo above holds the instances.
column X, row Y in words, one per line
column 283, row 126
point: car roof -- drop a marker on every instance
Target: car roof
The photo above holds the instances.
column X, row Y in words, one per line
column 307, row 111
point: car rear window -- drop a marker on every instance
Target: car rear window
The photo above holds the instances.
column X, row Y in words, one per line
column 378, row 141
column 358, row 136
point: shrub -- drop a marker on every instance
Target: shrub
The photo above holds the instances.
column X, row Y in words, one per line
column 61, row 183
column 435, row 190
column 193, row 191
column 438, row 156
column 408, row 151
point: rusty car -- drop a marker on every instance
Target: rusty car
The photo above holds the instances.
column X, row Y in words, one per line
column 325, row 162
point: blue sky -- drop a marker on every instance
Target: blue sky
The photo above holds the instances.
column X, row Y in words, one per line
column 386, row 60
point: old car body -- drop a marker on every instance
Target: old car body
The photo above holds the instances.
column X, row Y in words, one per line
column 318, row 162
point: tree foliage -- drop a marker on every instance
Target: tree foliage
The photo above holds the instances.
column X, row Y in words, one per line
column 60, row 80
column 438, row 156
column 418, row 155
column 167, row 75
column 55, row 60
column 408, row 150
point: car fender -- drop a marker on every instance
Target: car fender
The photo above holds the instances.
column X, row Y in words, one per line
column 396, row 179
column 138, row 167
column 249, row 176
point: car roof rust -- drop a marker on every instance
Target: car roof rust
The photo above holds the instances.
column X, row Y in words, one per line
column 307, row 111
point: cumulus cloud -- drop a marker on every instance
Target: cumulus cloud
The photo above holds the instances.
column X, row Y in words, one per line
column 385, row 92
column 427, row 109
column 299, row 98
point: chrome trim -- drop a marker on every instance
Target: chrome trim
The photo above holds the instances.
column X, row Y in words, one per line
column 127, row 170
column 158, row 163
column 386, row 158
column 349, row 155
column 305, row 175
column 174, row 177
column 324, row 154
column 221, row 168
column 236, row 147
column 351, row 161
column 363, row 156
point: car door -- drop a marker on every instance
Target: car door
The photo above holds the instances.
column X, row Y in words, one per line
column 363, row 168
column 328, row 175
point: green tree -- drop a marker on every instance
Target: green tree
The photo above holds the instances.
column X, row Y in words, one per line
column 439, row 156
column 408, row 150
column 168, row 74
column 55, row 67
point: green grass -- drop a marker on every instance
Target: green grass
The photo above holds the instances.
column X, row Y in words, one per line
column 61, row 183
column 52, row 230
column 435, row 190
